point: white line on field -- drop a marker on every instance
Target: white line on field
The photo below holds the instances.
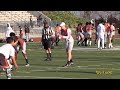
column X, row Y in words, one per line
column 101, row 68
column 82, row 66
column 94, row 49
column 38, row 77
column 22, row 71
column 94, row 65
column 106, row 64
column 38, row 70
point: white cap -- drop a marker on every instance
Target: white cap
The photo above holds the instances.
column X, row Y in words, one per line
column 62, row 24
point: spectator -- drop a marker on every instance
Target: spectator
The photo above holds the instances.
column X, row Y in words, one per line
column 8, row 30
column 45, row 22
column 27, row 33
column 31, row 22
column 39, row 20
column 21, row 32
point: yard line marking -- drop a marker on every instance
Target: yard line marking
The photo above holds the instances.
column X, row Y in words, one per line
column 22, row 72
column 48, row 77
column 101, row 68
column 94, row 65
column 106, row 64
column 82, row 66
column 116, row 62
column 38, row 70
column 94, row 49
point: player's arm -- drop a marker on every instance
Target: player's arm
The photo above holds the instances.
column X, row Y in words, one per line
column 12, row 56
column 15, row 43
column 20, row 41
column 103, row 28
column 68, row 35
column 51, row 32
column 14, row 62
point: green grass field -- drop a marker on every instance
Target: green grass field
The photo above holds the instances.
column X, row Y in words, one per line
column 88, row 64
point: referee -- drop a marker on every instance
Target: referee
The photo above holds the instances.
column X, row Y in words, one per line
column 46, row 40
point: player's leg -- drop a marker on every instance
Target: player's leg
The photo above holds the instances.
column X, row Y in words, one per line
column 82, row 39
column 113, row 36
column 46, row 49
column 17, row 49
column 112, row 39
column 98, row 43
column 102, row 42
column 109, row 45
column 105, row 40
column 25, row 54
column 57, row 40
column 49, row 50
column 95, row 39
column 90, row 42
column 4, row 64
column 69, row 46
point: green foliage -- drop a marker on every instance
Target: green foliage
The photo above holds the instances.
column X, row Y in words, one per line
column 65, row 16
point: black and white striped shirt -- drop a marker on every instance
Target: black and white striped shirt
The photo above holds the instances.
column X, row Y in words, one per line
column 46, row 32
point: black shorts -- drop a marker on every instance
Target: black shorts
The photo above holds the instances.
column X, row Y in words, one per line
column 46, row 43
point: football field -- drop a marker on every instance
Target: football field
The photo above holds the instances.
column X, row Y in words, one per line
column 89, row 63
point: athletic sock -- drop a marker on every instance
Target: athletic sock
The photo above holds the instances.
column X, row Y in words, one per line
column 8, row 73
column 47, row 55
column 68, row 62
column 26, row 61
column 71, row 60
column 90, row 43
column 50, row 56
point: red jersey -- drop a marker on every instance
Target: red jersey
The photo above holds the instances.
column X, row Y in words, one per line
column 64, row 32
column 107, row 27
column 57, row 28
column 89, row 27
column 79, row 29
column 84, row 29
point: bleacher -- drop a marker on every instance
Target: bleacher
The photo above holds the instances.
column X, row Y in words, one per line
column 16, row 18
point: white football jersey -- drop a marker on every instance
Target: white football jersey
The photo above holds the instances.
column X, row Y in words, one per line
column 7, row 50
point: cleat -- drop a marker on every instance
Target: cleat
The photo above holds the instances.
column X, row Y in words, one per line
column 27, row 65
column 50, row 59
column 71, row 63
column 66, row 65
column 46, row 59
